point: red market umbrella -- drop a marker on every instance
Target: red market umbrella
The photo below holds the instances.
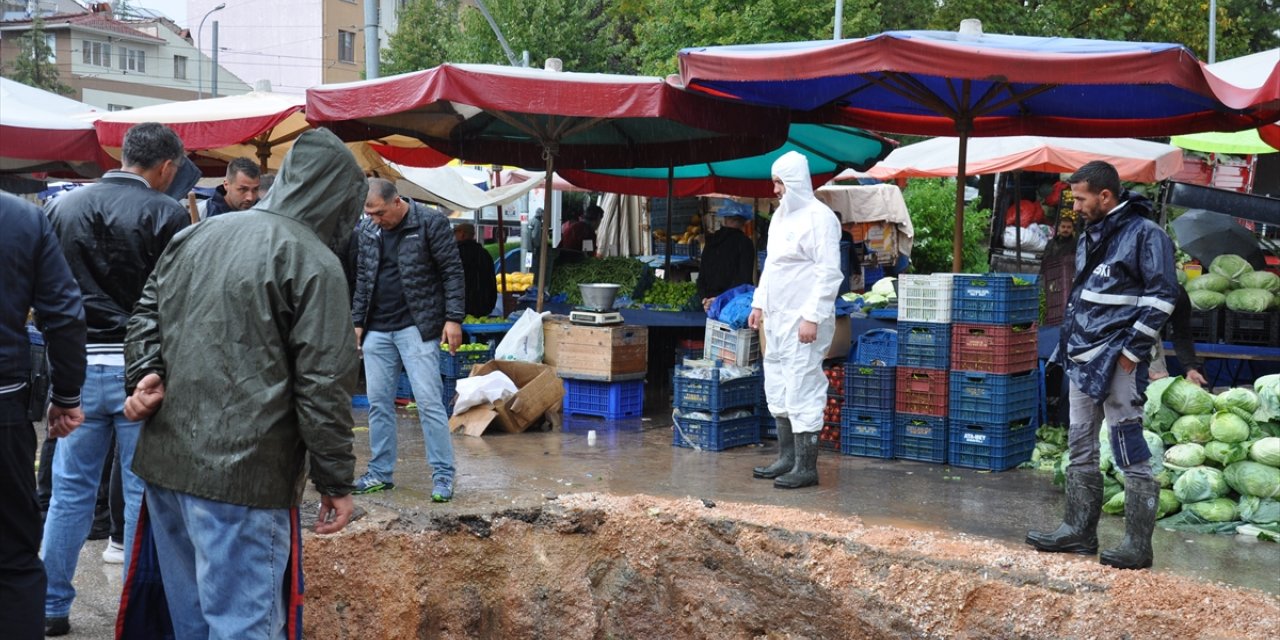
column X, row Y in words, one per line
column 487, row 114
column 42, row 131
column 970, row 84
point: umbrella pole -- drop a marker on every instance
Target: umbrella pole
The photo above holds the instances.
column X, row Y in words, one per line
column 264, row 153
column 502, row 248
column 542, row 240
column 1017, row 216
column 671, row 193
column 957, row 246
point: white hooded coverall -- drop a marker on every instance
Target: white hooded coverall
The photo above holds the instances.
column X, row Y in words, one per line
column 800, row 280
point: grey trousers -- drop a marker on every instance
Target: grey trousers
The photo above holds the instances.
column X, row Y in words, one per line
column 1123, row 406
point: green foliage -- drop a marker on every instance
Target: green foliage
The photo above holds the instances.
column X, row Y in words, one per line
column 31, row 66
column 421, row 41
column 932, row 204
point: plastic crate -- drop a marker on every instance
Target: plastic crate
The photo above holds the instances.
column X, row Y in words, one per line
column 404, row 390
column 871, row 275
column 729, row 345
column 610, row 400
column 995, row 298
column 1205, row 326
column 990, row 397
column 768, row 426
column 921, row 391
column 713, row 394
column 1056, row 275
column 715, row 434
column 359, row 401
column 877, row 346
column 459, row 365
column 685, row 250
column 1257, row 329
column 869, row 386
column 994, row 348
column 992, row 447
column 487, row 328
column 448, row 391
column 924, row 345
column 925, row 298
column 866, row 433
column 921, row 438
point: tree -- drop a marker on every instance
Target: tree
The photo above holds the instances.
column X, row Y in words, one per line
column 33, row 65
column 422, row 39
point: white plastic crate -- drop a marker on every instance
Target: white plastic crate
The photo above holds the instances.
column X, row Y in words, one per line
column 730, row 346
column 925, row 298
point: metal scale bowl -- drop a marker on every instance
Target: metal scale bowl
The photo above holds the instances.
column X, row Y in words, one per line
column 597, row 305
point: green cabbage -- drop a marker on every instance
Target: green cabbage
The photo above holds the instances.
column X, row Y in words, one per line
column 1259, row 510
column 1187, row 399
column 1209, row 282
column 1161, row 420
column 1260, row 280
column 1216, row 510
column 1250, row 300
column 1228, row 427
column 1168, row 504
column 1230, row 266
column 1184, row 456
column 1239, row 397
column 1206, row 300
column 1192, row 429
column 1266, row 451
column 1165, row 478
column 1181, row 276
column 1115, row 506
column 1200, row 483
column 1249, row 478
column 1224, row 453
column 1268, row 388
column 884, row 287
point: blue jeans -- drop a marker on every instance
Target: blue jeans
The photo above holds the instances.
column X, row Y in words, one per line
column 77, row 470
column 223, row 565
column 384, row 352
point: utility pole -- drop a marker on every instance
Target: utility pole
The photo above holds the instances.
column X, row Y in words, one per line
column 213, row 74
column 1213, row 29
column 839, row 19
column 371, row 46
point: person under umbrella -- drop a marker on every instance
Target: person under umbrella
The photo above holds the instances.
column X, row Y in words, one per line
column 729, row 257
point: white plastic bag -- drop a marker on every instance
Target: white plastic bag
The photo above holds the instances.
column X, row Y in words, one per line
column 1034, row 237
column 524, row 340
column 492, row 387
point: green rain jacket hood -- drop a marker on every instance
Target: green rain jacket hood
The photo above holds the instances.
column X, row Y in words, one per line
column 247, row 320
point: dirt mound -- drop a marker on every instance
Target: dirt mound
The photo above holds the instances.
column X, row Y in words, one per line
column 595, row 566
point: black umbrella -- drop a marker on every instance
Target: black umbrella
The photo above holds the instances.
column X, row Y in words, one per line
column 1205, row 235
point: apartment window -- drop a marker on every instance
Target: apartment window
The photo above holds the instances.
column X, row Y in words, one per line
column 118, row 107
column 346, row 46
column 51, row 41
column 133, row 60
column 95, row 53
column 180, row 67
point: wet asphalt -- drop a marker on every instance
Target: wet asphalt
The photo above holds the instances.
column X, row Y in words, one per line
column 500, row 471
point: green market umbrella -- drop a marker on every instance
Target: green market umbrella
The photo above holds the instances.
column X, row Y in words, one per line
column 1240, row 143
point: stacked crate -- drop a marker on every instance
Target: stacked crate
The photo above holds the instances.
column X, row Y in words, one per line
column 829, row 436
column 701, row 389
column 995, row 384
column 921, row 383
column 603, row 367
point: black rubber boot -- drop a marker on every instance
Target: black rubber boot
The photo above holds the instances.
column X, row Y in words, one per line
column 805, row 472
column 1078, row 532
column 786, row 453
column 1141, row 499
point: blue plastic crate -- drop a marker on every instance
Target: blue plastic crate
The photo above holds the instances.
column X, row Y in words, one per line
column 611, row 400
column 768, row 426
column 871, row 275
column 877, row 346
column 715, row 434
column 991, row 397
column 448, row 390
column 714, row 394
column 359, row 401
column 994, row 298
column 487, row 328
column 917, row 437
column 869, row 386
column 460, row 364
column 924, row 345
column 993, row 447
column 404, row 390
column 866, row 433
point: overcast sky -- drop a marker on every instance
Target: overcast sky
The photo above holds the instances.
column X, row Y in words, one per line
column 175, row 9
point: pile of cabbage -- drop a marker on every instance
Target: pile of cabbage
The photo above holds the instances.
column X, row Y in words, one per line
column 1231, row 281
column 1217, row 458
column 882, row 294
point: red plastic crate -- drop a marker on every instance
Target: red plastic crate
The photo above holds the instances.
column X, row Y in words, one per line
column 993, row 348
column 922, row 392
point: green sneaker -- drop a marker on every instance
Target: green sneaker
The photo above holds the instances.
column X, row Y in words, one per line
column 369, row 484
column 442, row 491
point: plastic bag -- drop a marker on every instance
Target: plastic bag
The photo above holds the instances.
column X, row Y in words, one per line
column 722, row 300
column 1034, row 237
column 523, row 341
column 735, row 313
column 478, row 390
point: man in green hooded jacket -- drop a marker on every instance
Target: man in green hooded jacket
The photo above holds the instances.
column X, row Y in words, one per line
column 241, row 354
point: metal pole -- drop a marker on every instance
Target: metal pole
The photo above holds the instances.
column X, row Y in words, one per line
column 546, row 220
column 506, row 48
column 1213, row 29
column 371, row 47
column 502, row 247
column 200, row 52
column 839, row 19
column 671, row 196
column 213, row 66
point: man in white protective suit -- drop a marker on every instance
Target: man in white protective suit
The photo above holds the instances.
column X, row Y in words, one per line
column 794, row 306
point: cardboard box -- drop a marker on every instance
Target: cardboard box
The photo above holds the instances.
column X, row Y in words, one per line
column 606, row 354
column 539, row 391
column 880, row 238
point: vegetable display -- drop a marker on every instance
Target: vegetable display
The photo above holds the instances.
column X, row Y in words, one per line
column 678, row 296
column 627, row 273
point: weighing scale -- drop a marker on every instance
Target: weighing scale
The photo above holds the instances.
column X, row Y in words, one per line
column 592, row 317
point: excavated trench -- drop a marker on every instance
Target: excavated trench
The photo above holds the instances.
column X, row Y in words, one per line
column 599, row 566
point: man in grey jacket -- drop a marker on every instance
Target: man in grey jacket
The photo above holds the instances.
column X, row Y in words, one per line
column 247, row 387
column 409, row 295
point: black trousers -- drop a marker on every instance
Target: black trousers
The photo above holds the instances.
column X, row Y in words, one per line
column 22, row 578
